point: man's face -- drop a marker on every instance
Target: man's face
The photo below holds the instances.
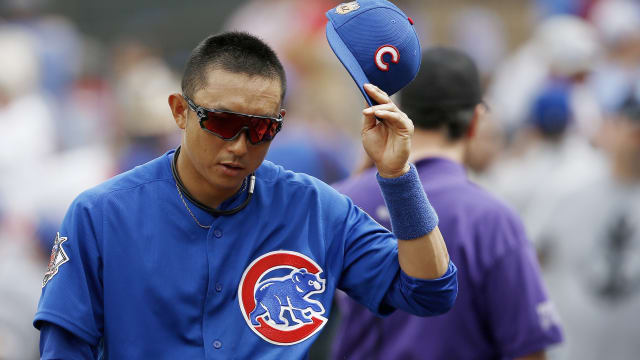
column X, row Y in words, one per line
column 225, row 164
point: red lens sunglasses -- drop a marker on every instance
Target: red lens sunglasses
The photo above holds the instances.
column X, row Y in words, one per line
column 228, row 125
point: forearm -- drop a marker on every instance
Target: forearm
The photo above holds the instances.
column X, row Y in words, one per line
column 422, row 252
column 386, row 137
column 425, row 257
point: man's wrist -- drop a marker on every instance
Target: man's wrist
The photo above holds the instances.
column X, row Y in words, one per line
column 412, row 215
column 394, row 174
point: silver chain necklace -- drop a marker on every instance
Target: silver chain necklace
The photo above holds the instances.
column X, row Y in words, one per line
column 189, row 210
column 244, row 186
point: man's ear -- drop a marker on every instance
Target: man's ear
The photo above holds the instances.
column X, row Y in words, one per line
column 179, row 109
column 478, row 112
column 283, row 112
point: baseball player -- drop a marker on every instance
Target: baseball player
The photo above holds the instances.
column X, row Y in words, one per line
column 502, row 311
column 210, row 252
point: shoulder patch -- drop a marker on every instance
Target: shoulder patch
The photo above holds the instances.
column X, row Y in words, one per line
column 58, row 257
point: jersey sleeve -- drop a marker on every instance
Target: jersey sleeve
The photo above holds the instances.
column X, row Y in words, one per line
column 423, row 297
column 370, row 258
column 372, row 275
column 514, row 299
column 72, row 289
column 57, row 343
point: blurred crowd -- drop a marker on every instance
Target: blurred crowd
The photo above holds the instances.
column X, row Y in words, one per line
column 560, row 142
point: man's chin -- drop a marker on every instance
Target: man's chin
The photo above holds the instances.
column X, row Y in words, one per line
column 227, row 182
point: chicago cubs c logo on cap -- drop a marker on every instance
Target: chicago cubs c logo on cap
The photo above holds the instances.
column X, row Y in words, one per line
column 379, row 56
column 275, row 297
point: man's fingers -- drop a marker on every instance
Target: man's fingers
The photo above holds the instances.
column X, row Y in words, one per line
column 386, row 110
column 376, row 94
column 388, row 106
column 394, row 118
column 369, row 119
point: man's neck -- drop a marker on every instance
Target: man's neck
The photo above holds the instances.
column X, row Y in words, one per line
column 428, row 144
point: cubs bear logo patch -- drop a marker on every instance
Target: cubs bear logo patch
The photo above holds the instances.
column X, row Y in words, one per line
column 57, row 258
column 276, row 297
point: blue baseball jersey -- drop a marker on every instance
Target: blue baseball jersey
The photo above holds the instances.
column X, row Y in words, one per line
column 133, row 275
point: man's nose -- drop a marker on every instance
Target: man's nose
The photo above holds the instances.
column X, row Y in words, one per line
column 240, row 145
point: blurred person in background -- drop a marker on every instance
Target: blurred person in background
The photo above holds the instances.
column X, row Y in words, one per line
column 20, row 273
column 27, row 136
column 544, row 98
column 474, row 22
column 26, row 117
column 469, row 23
column 546, row 8
column 482, row 234
column 563, row 48
column 485, row 147
column 618, row 26
column 593, row 263
column 59, row 44
column 141, row 81
column 68, row 118
column 546, row 160
column 60, row 58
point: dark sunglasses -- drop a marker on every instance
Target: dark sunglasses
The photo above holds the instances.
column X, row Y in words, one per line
column 228, row 125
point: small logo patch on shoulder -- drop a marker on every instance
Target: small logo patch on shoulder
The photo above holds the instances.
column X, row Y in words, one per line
column 58, row 257
column 346, row 8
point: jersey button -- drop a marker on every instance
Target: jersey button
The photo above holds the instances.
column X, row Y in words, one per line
column 218, row 287
column 217, row 344
column 217, row 233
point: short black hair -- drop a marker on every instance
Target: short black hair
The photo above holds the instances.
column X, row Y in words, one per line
column 237, row 52
column 455, row 120
column 444, row 93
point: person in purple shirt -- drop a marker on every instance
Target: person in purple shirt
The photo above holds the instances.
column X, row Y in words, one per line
column 502, row 310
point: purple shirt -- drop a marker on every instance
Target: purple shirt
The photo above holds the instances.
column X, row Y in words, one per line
column 502, row 310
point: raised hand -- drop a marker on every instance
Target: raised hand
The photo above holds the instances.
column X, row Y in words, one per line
column 387, row 142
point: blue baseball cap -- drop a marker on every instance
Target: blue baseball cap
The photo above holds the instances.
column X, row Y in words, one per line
column 376, row 43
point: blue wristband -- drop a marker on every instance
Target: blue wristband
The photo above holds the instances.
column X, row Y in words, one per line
column 412, row 216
